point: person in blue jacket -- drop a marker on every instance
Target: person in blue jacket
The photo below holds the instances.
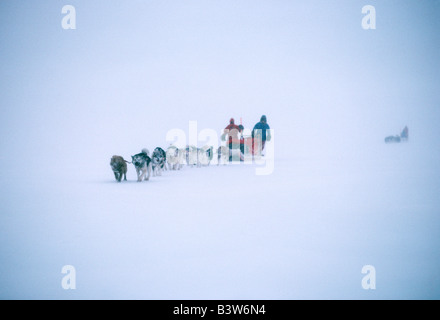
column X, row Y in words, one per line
column 261, row 129
column 405, row 135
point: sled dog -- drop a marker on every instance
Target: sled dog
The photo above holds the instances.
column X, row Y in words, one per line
column 142, row 163
column 119, row 167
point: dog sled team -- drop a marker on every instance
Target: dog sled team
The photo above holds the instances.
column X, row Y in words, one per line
column 403, row 137
column 237, row 146
column 143, row 163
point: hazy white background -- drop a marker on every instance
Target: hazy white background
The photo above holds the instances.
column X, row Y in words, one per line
column 132, row 70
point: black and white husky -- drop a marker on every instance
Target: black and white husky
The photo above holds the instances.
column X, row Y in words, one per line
column 190, row 155
column 142, row 163
column 158, row 159
column 204, row 156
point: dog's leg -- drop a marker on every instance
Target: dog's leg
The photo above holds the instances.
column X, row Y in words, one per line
column 149, row 172
column 138, row 174
column 116, row 175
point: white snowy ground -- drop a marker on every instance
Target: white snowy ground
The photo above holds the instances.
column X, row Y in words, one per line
column 304, row 232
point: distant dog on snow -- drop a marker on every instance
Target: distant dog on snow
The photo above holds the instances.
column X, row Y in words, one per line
column 393, row 139
column 158, row 158
column 222, row 154
column 175, row 158
column 191, row 154
column 204, row 156
column 119, row 167
column 142, row 163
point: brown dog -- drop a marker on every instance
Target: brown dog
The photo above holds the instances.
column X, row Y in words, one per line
column 119, row 167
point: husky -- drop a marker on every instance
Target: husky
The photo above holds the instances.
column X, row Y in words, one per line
column 204, row 156
column 191, row 154
column 174, row 158
column 158, row 158
column 142, row 163
column 222, row 154
column 119, row 167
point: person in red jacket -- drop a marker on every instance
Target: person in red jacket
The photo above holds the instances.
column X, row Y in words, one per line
column 231, row 136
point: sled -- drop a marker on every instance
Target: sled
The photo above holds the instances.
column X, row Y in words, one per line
column 393, row 139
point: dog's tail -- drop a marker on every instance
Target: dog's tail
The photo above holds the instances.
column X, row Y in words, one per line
column 127, row 161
